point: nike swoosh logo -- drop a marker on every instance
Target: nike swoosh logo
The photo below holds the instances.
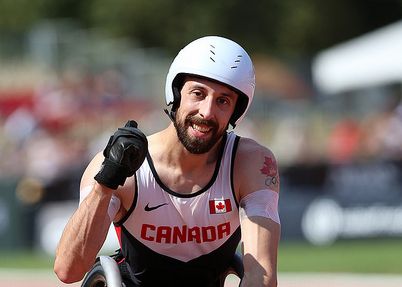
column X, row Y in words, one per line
column 148, row 208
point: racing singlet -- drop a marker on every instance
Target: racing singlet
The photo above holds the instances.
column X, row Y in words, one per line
column 172, row 239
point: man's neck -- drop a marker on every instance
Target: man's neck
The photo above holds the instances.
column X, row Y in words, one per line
column 179, row 169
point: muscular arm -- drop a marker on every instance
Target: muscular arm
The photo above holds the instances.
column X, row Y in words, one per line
column 86, row 230
column 108, row 175
column 260, row 243
column 260, row 235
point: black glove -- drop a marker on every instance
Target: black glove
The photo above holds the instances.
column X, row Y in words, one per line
column 124, row 154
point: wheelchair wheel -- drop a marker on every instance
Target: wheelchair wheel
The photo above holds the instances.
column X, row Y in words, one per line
column 107, row 273
column 96, row 277
column 236, row 268
column 104, row 273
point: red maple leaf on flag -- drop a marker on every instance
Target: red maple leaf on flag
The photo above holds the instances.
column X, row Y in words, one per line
column 269, row 167
column 220, row 206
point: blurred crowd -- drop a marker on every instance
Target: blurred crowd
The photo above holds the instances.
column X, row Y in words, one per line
column 377, row 136
column 51, row 132
column 336, row 136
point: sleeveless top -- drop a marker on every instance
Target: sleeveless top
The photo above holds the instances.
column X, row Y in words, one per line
column 173, row 239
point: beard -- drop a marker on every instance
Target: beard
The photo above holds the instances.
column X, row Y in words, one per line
column 197, row 145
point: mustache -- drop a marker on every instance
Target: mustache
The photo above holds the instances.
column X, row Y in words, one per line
column 199, row 121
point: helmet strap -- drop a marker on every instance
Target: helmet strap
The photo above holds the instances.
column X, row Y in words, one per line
column 240, row 108
column 170, row 114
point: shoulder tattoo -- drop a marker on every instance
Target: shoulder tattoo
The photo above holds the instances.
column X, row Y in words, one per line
column 270, row 170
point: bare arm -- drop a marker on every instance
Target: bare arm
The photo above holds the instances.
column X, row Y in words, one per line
column 86, row 230
column 260, row 242
column 106, row 175
column 260, row 234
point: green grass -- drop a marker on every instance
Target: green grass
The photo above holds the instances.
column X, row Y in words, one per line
column 354, row 256
column 25, row 260
column 362, row 256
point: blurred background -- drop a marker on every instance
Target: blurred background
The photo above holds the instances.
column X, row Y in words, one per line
column 328, row 104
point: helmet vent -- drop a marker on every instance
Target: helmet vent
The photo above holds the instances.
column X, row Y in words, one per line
column 236, row 61
column 212, row 52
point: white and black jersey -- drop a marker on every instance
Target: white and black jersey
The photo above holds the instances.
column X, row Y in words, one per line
column 172, row 239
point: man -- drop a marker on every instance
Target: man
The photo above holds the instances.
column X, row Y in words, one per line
column 179, row 213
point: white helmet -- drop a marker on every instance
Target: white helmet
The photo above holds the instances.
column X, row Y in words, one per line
column 215, row 58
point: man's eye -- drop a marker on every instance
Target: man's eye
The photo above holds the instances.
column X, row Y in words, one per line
column 197, row 93
column 223, row 101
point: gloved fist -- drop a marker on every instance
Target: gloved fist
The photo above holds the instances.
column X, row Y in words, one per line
column 124, row 154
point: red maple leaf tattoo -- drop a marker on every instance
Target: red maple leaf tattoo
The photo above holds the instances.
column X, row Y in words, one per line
column 269, row 167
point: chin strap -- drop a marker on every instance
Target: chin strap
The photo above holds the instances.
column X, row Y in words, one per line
column 170, row 114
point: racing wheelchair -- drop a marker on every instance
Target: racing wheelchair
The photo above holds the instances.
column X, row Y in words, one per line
column 106, row 272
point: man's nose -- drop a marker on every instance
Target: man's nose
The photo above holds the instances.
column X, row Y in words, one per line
column 206, row 108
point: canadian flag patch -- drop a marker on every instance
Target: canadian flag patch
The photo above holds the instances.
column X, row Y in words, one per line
column 218, row 206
